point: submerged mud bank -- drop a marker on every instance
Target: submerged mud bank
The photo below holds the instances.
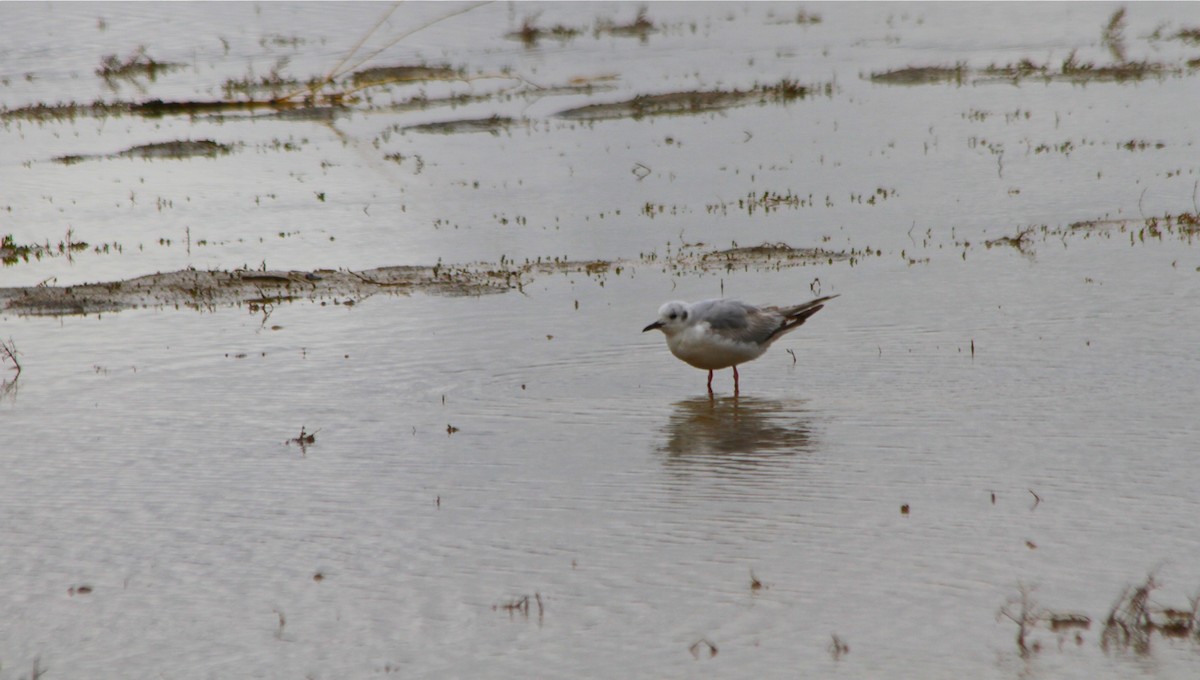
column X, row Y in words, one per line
column 207, row 290
column 203, row 290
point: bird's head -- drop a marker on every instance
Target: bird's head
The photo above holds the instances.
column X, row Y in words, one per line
column 672, row 317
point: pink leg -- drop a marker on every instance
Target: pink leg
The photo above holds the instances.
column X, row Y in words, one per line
column 710, row 382
column 735, row 381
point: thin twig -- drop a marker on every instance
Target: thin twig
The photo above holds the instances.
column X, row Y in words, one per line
column 333, row 72
column 422, row 27
column 341, row 68
column 9, row 349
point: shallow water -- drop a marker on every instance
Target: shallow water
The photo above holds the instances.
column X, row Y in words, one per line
column 1033, row 409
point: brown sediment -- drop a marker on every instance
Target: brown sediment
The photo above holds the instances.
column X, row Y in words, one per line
column 207, row 290
column 922, row 75
column 177, row 149
column 530, row 33
column 1071, row 70
column 493, row 125
column 641, row 27
column 386, row 75
column 1067, row 621
column 137, row 65
column 695, row 101
column 149, row 108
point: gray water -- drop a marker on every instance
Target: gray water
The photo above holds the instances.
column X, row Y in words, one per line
column 1034, row 408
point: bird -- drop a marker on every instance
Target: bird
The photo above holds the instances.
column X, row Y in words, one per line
column 722, row 333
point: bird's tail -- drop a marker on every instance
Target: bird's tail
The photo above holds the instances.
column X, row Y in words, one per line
column 796, row 316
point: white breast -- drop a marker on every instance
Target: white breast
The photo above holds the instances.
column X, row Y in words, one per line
column 701, row 347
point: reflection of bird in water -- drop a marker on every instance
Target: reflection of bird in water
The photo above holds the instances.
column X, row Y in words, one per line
column 715, row 334
column 736, row 431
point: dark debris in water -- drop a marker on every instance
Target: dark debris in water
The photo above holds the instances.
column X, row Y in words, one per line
column 1135, row 618
column 386, row 75
column 65, row 111
column 1131, row 625
column 154, row 108
column 12, row 253
column 492, row 125
column 279, row 92
column 304, row 440
column 520, row 605
column 673, row 103
column 1189, row 35
column 696, row 101
column 922, row 75
column 179, row 149
column 838, row 648
column 777, row 253
column 136, row 65
column 1021, row 241
column 1112, row 36
column 641, row 27
column 530, row 33
column 1068, row 621
column 1071, row 70
column 1120, row 71
column 158, row 107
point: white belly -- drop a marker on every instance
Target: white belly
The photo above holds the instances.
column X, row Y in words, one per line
column 701, row 348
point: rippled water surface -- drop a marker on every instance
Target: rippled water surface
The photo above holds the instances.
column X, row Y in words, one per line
column 1002, row 399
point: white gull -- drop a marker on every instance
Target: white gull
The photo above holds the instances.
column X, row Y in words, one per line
column 721, row 333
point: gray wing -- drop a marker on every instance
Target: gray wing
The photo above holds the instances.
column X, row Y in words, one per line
column 739, row 321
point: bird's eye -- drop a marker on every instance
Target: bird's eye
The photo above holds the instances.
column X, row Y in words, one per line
column 683, row 316
column 671, row 316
